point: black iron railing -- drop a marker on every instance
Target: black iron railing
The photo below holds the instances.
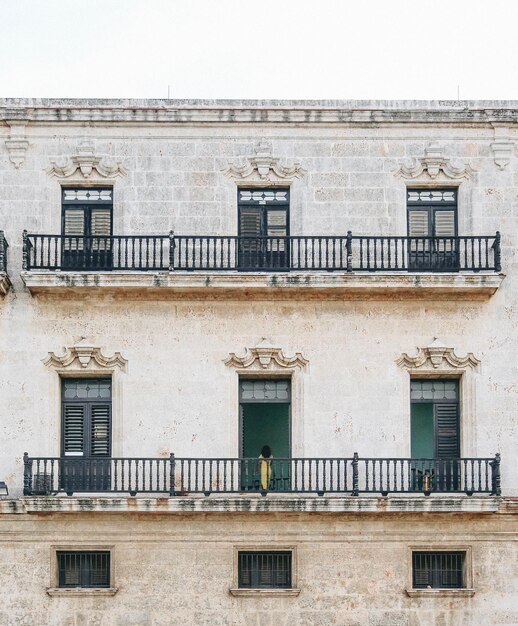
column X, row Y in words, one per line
column 3, row 252
column 348, row 253
column 183, row 476
column 74, row 253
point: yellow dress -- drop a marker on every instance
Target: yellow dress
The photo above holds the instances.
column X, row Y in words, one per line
column 265, row 472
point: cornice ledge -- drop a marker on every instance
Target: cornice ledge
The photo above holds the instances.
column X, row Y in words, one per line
column 86, row 162
column 265, row 357
column 437, row 355
column 264, row 167
column 84, row 355
column 433, row 163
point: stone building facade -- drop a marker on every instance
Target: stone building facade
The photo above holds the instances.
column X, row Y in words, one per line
column 187, row 282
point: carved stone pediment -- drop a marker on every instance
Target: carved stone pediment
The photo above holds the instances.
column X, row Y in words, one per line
column 265, row 357
column 435, row 356
column 86, row 162
column 433, row 163
column 83, row 356
column 264, row 167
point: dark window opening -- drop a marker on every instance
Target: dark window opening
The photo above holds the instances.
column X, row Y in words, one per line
column 264, row 570
column 83, row 569
column 263, row 229
column 432, row 229
column 438, row 570
column 87, row 228
column 86, row 434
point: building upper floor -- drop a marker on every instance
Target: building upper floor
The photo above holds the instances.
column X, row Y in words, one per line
column 217, row 197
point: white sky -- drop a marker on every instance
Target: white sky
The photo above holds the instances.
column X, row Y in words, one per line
column 351, row 49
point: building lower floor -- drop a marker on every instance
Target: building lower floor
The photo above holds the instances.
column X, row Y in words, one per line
column 231, row 565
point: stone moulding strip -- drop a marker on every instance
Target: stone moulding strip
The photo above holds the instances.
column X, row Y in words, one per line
column 258, row 112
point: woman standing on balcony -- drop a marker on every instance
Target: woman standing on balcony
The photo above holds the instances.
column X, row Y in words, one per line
column 265, row 467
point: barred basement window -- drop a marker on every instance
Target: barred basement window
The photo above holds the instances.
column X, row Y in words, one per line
column 264, row 570
column 438, row 570
column 83, row 569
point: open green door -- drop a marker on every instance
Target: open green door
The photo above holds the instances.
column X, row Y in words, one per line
column 265, row 421
column 434, row 435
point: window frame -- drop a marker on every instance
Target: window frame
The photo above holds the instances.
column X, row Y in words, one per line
column 86, row 207
column 294, row 590
column 431, row 208
column 54, row 590
column 467, row 589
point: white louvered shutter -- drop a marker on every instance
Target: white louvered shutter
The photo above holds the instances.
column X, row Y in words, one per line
column 100, row 423
column 100, row 228
column 74, row 229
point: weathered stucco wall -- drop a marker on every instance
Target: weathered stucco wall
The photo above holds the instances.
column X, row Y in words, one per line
column 177, row 395
column 352, row 570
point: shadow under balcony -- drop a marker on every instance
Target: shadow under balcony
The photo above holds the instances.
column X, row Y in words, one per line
column 5, row 283
column 355, row 484
column 295, row 267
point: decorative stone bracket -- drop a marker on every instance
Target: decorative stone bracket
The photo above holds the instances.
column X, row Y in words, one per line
column 264, row 167
column 86, row 162
column 433, row 163
column 502, row 147
column 17, row 142
column 265, row 357
column 437, row 355
column 84, row 356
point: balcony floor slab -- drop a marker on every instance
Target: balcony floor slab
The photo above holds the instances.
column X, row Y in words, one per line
column 396, row 504
column 265, row 286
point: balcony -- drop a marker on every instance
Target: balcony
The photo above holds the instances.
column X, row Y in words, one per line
column 172, row 476
column 284, row 267
column 5, row 283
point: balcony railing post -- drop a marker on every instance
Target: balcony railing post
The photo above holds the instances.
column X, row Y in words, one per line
column 356, row 485
column 171, row 250
column 349, row 251
column 25, row 252
column 171, row 474
column 27, row 474
column 498, row 258
column 495, row 478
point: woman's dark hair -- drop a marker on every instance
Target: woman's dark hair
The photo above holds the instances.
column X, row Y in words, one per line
column 266, row 452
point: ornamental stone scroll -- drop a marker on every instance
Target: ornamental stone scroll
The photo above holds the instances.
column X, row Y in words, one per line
column 84, row 357
column 437, row 356
column 265, row 357
column 264, row 168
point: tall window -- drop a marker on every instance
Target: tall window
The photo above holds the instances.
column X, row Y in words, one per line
column 434, row 427
column 86, row 434
column 87, row 228
column 263, row 228
column 265, row 430
column 432, row 226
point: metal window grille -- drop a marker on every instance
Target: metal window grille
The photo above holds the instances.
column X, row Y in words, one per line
column 438, row 570
column 264, row 570
column 83, row 569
